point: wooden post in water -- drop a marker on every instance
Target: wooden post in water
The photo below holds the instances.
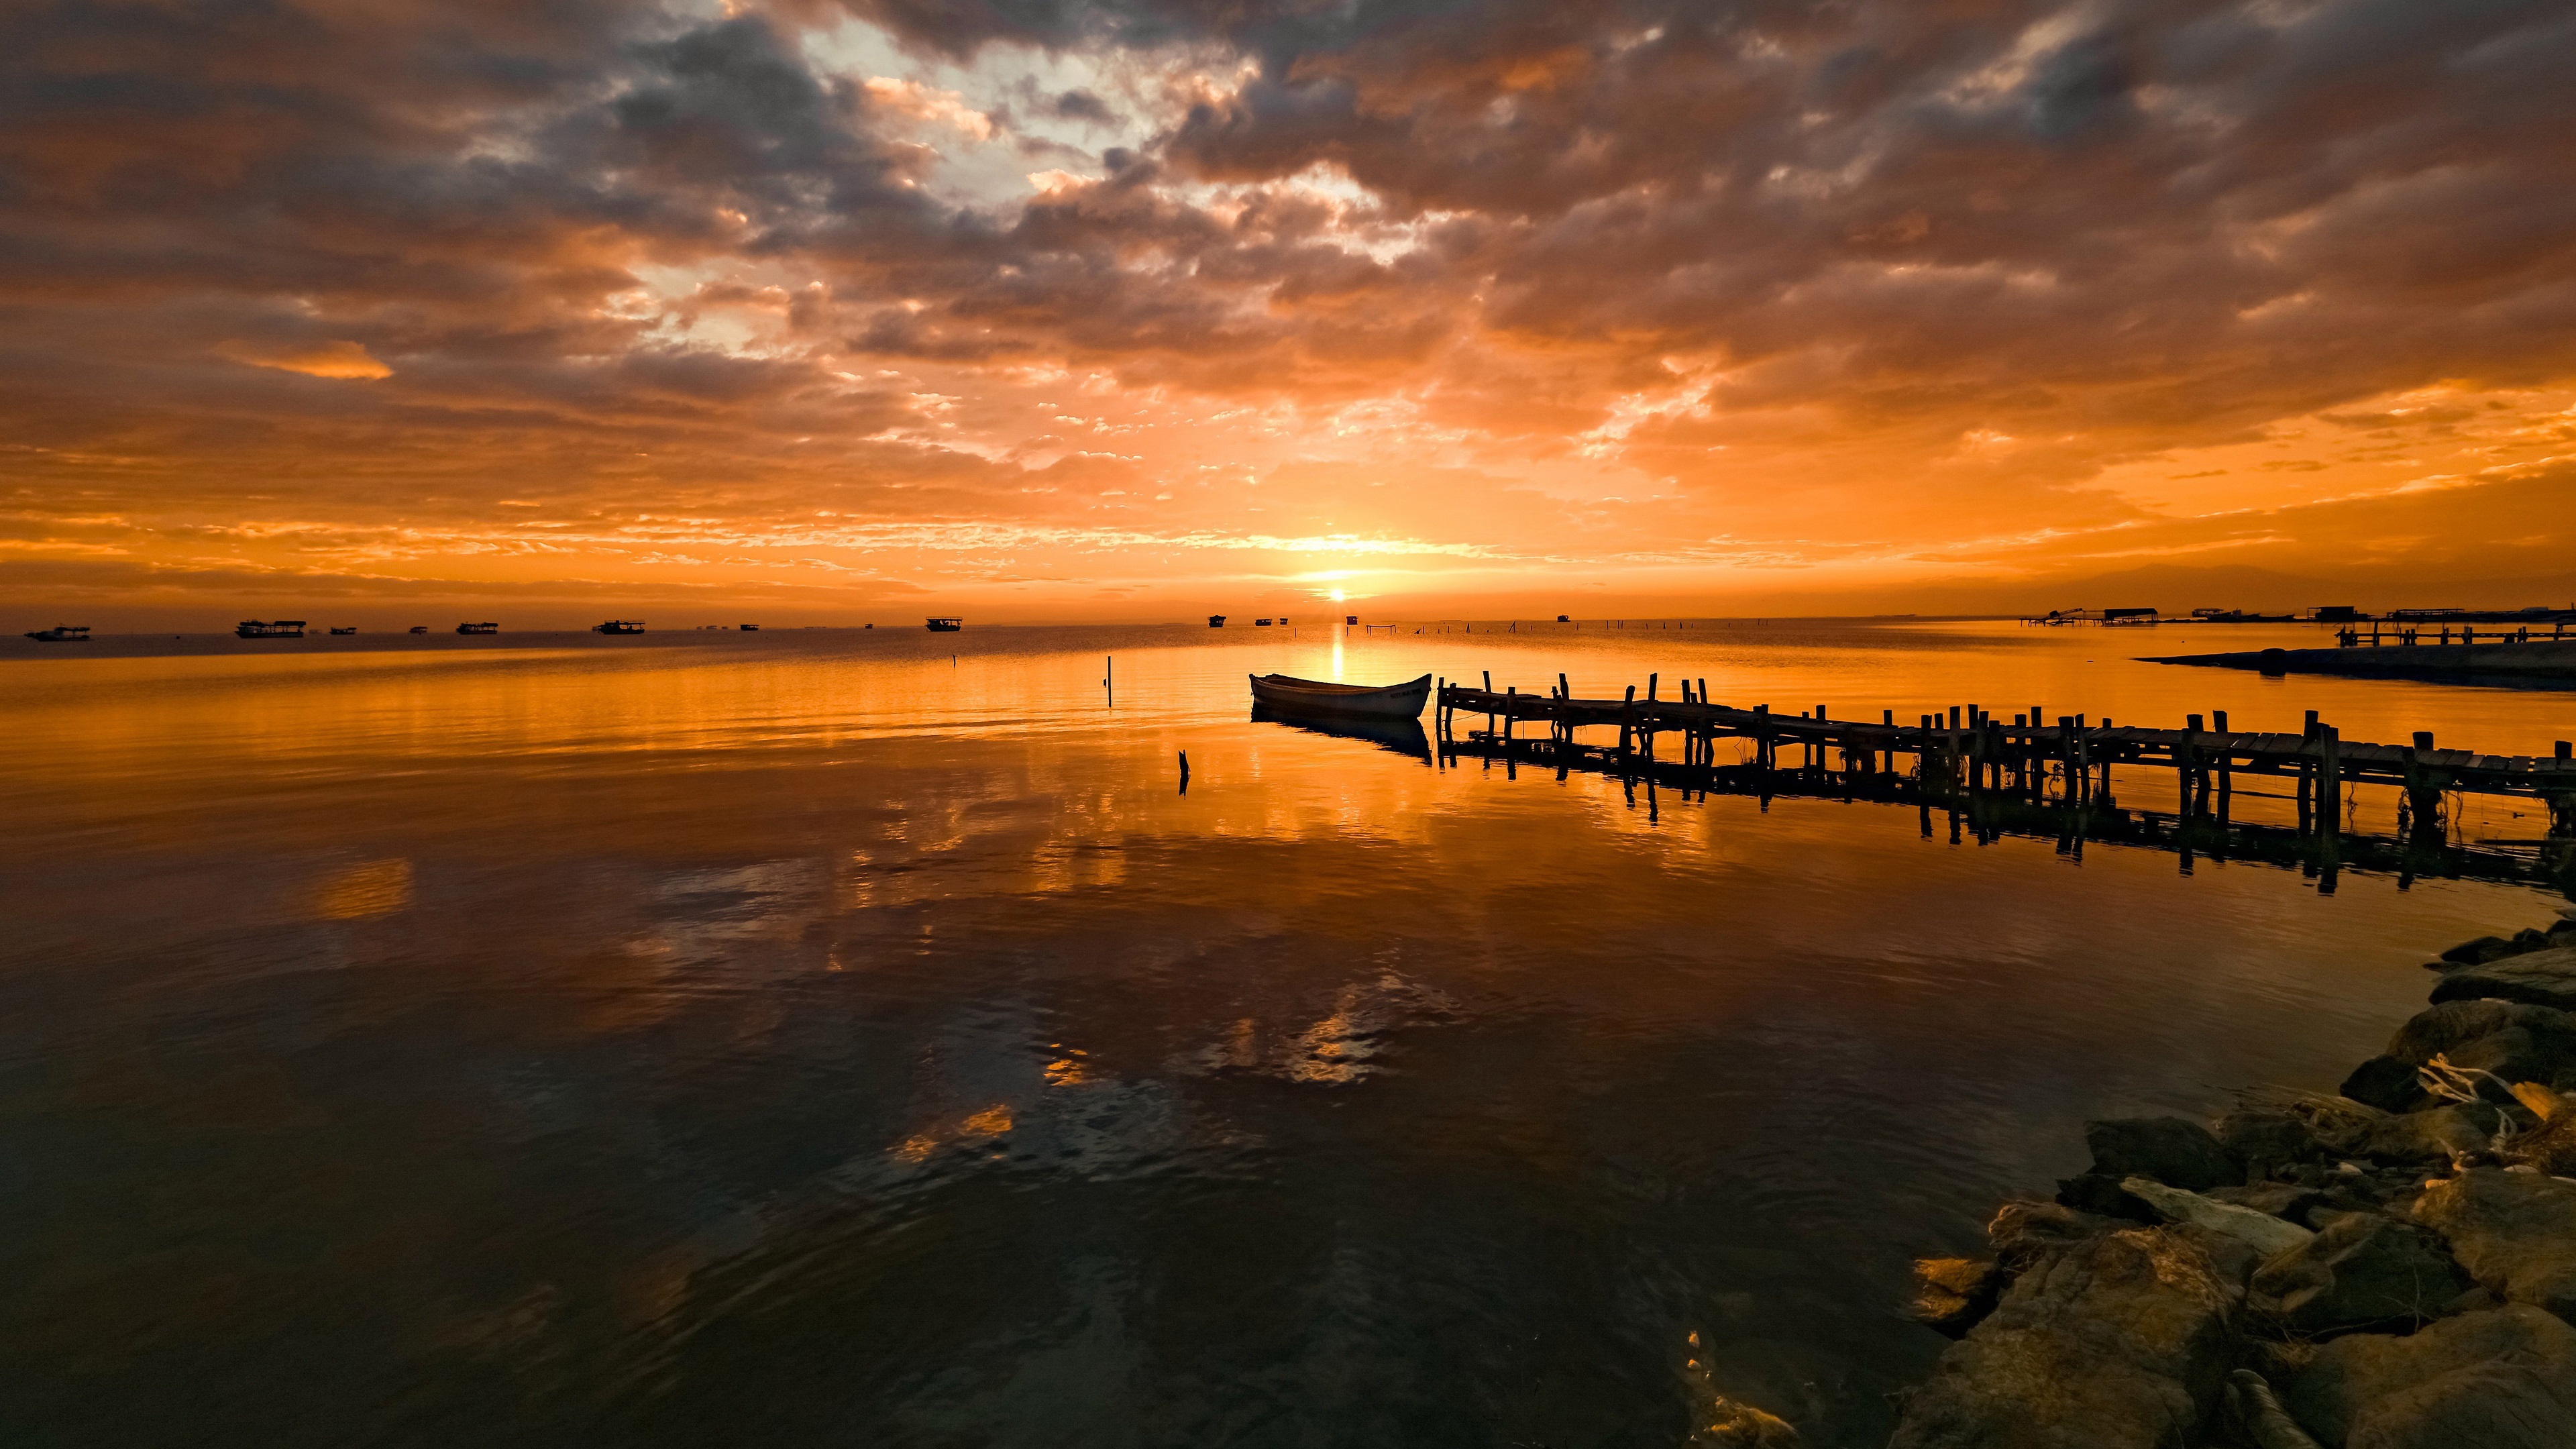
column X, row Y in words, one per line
column 2312, row 772
column 1627, row 724
column 2330, row 776
column 2187, row 763
column 2226, row 763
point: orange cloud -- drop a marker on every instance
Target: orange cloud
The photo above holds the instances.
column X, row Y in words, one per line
column 329, row 359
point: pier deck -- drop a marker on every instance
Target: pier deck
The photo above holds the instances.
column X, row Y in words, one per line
column 1968, row 748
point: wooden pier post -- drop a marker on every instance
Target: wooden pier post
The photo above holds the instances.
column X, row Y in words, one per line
column 2330, row 776
column 1627, row 723
column 2423, row 786
column 2309, row 756
column 2226, row 762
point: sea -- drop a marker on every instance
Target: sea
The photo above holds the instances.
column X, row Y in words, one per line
column 869, row 1037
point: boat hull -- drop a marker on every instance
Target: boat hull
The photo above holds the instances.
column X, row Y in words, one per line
column 1312, row 697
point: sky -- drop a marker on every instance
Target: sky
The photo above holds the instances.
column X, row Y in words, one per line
column 831, row 310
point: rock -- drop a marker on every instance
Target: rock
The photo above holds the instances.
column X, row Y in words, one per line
column 2023, row 1233
column 2433, row 1137
column 2469, row 953
column 2531, row 939
column 2264, row 1233
column 2120, row 1343
column 2362, row 1271
column 2476, row 1300
column 2267, row 1139
column 2100, row 1194
column 2387, row 1083
column 1953, row 1294
column 2502, row 1379
column 1742, row 1426
column 2350, row 1193
column 2175, row 1151
column 2543, row 978
column 2258, row 1416
column 2288, row 1201
column 2550, row 1146
column 2516, row 1041
column 2514, row 1231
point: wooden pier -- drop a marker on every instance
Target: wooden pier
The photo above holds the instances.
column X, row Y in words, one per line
column 2421, row 849
column 1967, row 750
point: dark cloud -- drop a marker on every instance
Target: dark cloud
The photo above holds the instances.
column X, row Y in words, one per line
column 459, row 245
column 1082, row 105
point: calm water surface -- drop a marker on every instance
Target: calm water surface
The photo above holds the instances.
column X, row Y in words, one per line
column 805, row 1037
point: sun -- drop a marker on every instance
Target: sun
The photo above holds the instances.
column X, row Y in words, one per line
column 1337, row 596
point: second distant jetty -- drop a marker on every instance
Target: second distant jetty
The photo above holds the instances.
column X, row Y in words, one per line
column 2541, row 661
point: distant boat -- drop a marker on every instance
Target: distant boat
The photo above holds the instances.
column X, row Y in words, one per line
column 1309, row 696
column 420, row 628
column 748, row 628
column 61, row 634
column 619, row 626
column 270, row 629
column 946, row 626
column 1216, row 621
column 478, row 628
column 350, row 630
column 1264, row 623
column 1563, row 620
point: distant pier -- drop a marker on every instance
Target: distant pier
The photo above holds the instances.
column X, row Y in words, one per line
column 2365, row 656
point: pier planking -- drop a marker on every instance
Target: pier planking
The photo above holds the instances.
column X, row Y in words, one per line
column 1969, row 748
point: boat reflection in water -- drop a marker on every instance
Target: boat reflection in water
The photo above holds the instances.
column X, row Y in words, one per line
column 1404, row 736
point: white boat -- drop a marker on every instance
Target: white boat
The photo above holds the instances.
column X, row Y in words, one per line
column 1309, row 696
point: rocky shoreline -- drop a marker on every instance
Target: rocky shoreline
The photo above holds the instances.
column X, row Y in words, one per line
column 2393, row 1267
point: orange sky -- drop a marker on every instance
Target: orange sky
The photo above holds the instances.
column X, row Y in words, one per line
column 1044, row 309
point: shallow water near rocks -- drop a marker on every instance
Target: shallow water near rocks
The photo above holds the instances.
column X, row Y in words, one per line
column 859, row 1037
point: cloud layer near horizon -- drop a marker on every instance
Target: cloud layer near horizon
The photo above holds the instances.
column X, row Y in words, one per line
column 1102, row 303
